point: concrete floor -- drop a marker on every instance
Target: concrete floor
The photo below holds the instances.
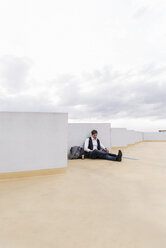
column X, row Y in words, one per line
column 94, row 204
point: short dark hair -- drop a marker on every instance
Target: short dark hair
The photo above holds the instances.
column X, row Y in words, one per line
column 94, row 131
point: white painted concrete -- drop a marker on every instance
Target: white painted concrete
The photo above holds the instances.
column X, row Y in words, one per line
column 131, row 137
column 139, row 136
column 118, row 137
column 32, row 141
column 154, row 136
column 134, row 136
column 78, row 132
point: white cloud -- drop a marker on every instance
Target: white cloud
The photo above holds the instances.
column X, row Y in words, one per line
column 101, row 95
column 14, row 73
column 97, row 60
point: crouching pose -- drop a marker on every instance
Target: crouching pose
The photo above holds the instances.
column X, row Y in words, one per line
column 94, row 149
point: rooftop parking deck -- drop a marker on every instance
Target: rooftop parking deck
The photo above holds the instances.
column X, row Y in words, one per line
column 94, row 204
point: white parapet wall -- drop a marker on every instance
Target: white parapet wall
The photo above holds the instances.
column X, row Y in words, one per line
column 119, row 137
column 139, row 136
column 78, row 132
column 154, row 136
column 134, row 137
column 32, row 141
column 130, row 137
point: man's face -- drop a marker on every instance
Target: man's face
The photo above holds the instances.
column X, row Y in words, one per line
column 94, row 135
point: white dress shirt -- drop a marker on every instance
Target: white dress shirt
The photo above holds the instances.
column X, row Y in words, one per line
column 94, row 142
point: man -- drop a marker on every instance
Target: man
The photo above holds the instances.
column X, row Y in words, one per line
column 93, row 148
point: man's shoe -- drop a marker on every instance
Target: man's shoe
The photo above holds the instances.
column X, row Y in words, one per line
column 119, row 156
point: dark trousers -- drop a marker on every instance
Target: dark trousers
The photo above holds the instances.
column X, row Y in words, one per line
column 95, row 154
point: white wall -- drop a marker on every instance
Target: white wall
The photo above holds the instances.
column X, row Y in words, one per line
column 130, row 137
column 134, row 136
column 78, row 132
column 155, row 136
column 139, row 136
column 32, row 141
column 118, row 137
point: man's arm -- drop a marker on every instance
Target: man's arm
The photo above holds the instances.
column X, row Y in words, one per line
column 86, row 145
column 103, row 147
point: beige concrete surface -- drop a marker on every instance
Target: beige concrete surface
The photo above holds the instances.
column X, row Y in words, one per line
column 43, row 172
column 94, row 204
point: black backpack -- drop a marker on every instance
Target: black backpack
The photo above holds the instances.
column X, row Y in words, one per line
column 76, row 152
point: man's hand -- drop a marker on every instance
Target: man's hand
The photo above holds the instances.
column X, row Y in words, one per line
column 106, row 149
column 90, row 150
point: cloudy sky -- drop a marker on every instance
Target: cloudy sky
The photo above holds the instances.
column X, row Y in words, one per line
column 98, row 60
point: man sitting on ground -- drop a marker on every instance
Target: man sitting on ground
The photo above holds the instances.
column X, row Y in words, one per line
column 93, row 148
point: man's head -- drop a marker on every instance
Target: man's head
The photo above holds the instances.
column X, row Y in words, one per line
column 94, row 134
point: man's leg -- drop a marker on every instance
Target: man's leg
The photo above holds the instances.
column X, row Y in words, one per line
column 95, row 154
column 112, row 154
column 110, row 157
column 103, row 155
column 91, row 154
column 118, row 157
